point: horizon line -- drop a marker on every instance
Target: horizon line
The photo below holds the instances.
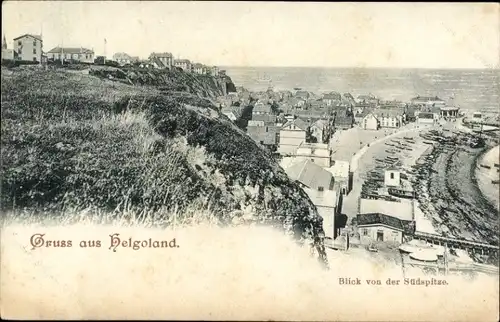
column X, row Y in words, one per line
column 362, row 67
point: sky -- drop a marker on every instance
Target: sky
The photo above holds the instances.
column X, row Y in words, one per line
column 294, row 34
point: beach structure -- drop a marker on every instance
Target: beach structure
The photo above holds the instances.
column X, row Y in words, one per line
column 79, row 54
column 380, row 228
column 28, row 47
column 449, row 112
column 318, row 153
column 292, row 134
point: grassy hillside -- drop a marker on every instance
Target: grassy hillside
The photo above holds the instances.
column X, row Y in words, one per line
column 74, row 143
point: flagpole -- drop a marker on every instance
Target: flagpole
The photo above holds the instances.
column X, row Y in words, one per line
column 105, row 51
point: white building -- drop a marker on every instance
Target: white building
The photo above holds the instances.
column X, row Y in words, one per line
column 318, row 153
column 292, row 135
column 392, row 178
column 341, row 173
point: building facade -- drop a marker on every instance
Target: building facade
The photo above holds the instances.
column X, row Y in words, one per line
column 377, row 227
column 28, row 48
column 370, row 122
column 81, row 54
column 292, row 135
column 124, row 58
column 184, row 64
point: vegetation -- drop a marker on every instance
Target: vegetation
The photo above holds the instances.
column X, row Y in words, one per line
column 77, row 143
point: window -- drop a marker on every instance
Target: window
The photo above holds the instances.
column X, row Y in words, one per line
column 392, row 175
column 34, row 43
column 34, row 58
column 19, row 43
column 34, row 50
column 365, row 232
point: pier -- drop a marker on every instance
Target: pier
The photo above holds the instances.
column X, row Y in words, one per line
column 456, row 243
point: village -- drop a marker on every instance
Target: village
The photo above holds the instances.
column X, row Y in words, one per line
column 29, row 49
column 366, row 200
column 320, row 140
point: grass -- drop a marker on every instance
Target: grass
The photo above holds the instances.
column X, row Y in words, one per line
column 73, row 144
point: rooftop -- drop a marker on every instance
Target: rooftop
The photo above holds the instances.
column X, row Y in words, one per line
column 310, row 175
column 39, row 37
column 402, row 210
column 161, row 55
column 379, row 219
column 70, row 50
column 340, row 169
column 325, row 198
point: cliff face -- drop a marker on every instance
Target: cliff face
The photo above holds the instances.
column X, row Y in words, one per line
column 72, row 142
column 171, row 80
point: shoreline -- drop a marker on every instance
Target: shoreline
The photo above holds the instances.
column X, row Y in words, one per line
column 448, row 194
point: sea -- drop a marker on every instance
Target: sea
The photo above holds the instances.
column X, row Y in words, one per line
column 469, row 89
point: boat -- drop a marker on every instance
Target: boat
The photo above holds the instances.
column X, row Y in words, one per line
column 485, row 166
column 495, row 181
column 264, row 78
column 407, row 194
column 497, row 165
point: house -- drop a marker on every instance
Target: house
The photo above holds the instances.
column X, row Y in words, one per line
column 370, row 98
column 316, row 104
column 304, row 95
column 268, row 118
column 184, row 64
column 198, row 68
column 28, row 47
column 427, row 101
column 426, row 117
column 319, row 153
column 319, row 186
column 320, row 130
column 329, row 205
column 6, row 53
column 263, row 133
column 232, row 112
column 344, row 121
column 80, row 54
column 125, row 59
column 214, row 71
column 261, row 108
column 378, row 227
column 332, row 98
column 392, row 177
column 341, row 174
column 410, row 113
column 370, row 122
column 310, row 175
column 292, row 134
column 391, row 118
column 162, row 60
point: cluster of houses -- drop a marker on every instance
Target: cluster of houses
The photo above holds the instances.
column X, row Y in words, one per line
column 298, row 125
column 29, row 47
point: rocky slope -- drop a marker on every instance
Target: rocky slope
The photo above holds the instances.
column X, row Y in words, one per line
column 73, row 142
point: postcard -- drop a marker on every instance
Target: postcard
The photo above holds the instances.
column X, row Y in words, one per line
column 219, row 160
